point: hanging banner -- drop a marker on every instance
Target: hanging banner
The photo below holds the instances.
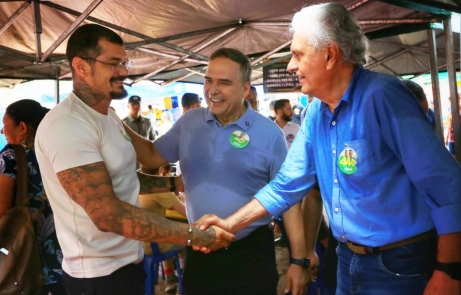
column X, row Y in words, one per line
column 276, row 78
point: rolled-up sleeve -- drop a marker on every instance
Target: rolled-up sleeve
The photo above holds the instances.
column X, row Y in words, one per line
column 295, row 178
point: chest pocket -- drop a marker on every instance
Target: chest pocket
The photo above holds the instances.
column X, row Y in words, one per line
column 361, row 157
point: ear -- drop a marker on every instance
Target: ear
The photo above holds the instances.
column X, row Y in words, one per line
column 80, row 66
column 246, row 88
column 23, row 128
column 333, row 55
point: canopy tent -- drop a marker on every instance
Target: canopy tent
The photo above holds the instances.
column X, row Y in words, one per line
column 171, row 41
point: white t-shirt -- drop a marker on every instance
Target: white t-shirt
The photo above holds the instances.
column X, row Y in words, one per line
column 72, row 134
column 290, row 130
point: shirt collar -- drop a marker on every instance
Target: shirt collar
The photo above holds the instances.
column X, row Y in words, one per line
column 347, row 97
column 131, row 119
column 243, row 122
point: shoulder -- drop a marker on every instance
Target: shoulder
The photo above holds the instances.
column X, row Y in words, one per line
column 7, row 161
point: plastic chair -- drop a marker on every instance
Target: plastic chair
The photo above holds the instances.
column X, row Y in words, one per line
column 152, row 265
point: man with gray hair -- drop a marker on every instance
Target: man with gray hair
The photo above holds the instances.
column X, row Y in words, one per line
column 386, row 208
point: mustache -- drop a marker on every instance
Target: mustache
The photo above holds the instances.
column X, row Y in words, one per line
column 118, row 78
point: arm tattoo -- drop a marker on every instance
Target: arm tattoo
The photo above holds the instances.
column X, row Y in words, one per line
column 153, row 184
column 90, row 187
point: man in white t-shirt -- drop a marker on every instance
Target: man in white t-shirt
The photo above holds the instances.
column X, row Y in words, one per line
column 283, row 116
column 87, row 161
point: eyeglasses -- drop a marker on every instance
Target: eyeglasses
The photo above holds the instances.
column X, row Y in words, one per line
column 115, row 66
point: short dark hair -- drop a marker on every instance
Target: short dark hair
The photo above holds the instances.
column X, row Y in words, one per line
column 238, row 57
column 188, row 99
column 28, row 111
column 416, row 89
column 280, row 104
column 84, row 41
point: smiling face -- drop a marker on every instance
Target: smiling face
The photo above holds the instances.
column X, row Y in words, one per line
column 224, row 90
column 14, row 133
column 104, row 79
column 308, row 63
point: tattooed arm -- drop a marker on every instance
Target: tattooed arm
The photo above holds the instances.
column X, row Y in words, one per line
column 90, row 186
column 158, row 184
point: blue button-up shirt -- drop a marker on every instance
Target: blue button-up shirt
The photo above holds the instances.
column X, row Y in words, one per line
column 405, row 183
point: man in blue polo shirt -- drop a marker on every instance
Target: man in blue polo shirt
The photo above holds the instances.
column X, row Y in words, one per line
column 228, row 152
column 387, row 208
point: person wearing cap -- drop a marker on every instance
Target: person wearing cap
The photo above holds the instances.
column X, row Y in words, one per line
column 190, row 101
column 141, row 125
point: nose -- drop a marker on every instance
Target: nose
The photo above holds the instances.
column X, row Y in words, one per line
column 3, row 132
column 212, row 89
column 292, row 66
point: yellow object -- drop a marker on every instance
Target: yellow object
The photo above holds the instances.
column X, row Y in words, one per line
column 167, row 101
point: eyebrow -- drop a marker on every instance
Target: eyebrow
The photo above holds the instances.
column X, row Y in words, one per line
column 221, row 80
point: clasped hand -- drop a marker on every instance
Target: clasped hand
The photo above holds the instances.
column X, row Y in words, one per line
column 222, row 229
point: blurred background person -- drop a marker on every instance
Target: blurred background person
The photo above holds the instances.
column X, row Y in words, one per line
column 20, row 122
column 190, row 101
column 252, row 98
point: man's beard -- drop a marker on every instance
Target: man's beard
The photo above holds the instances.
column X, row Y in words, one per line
column 287, row 118
column 118, row 94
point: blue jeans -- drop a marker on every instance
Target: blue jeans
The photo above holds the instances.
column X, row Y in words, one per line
column 402, row 270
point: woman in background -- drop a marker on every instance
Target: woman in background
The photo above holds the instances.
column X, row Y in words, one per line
column 20, row 122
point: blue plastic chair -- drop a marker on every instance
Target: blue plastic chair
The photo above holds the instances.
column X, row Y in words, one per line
column 152, row 265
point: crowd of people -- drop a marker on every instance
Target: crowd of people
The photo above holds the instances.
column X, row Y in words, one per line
column 364, row 149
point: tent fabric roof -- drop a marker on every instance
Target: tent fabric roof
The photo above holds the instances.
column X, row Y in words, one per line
column 172, row 40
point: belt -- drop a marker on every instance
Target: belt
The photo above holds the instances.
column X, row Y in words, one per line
column 364, row 250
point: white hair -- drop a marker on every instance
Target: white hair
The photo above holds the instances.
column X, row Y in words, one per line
column 327, row 23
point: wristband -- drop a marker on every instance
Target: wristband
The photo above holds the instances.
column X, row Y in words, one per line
column 189, row 241
column 172, row 184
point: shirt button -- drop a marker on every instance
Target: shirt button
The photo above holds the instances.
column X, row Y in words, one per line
column 333, row 123
column 335, row 181
column 344, row 237
column 336, row 210
column 247, row 123
column 334, row 152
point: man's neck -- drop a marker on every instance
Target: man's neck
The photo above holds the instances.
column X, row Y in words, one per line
column 226, row 120
column 280, row 122
column 94, row 100
column 135, row 116
column 337, row 86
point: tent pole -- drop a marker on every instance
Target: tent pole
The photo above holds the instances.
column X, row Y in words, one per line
column 56, row 95
column 432, row 45
column 452, row 84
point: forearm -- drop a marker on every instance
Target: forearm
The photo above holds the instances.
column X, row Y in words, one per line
column 142, row 225
column 245, row 216
column 293, row 220
column 312, row 215
column 146, row 153
column 448, row 248
column 153, row 184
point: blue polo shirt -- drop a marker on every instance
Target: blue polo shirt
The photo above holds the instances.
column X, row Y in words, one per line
column 218, row 177
column 400, row 181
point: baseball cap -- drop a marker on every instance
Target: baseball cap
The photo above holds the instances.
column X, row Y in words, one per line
column 134, row 98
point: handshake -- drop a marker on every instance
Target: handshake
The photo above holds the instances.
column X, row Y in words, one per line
column 210, row 233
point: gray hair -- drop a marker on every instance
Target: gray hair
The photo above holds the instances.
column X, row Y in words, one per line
column 332, row 23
